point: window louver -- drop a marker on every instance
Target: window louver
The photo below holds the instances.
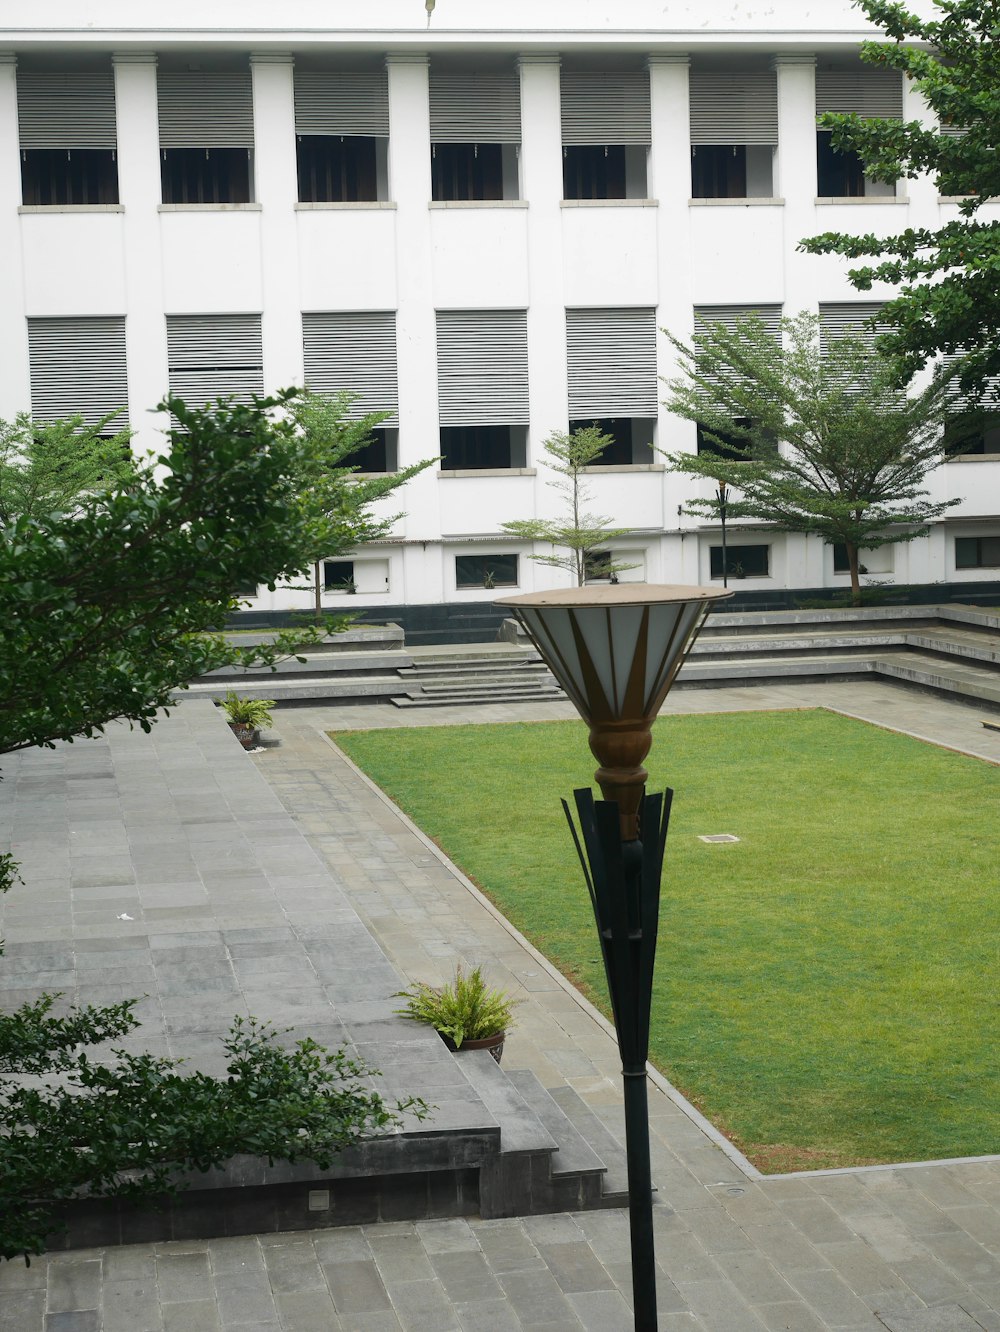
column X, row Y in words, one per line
column 200, row 109
column 482, row 367
column 353, row 351
column 734, row 108
column 605, row 107
column 78, row 369
column 847, row 318
column 475, row 108
column 729, row 315
column 874, row 94
column 66, row 110
column 214, row 356
column 611, row 358
column 342, row 103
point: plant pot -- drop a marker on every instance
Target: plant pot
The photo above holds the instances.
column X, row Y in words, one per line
column 246, row 735
column 492, row 1043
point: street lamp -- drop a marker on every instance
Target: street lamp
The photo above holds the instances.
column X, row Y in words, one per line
column 723, row 500
column 616, row 651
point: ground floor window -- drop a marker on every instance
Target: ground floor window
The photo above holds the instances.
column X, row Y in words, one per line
column 977, row 552
column 338, row 576
column 485, row 571
column 741, row 561
column 482, row 447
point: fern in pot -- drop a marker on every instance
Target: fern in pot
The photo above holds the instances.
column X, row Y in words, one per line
column 247, row 716
column 467, row 1014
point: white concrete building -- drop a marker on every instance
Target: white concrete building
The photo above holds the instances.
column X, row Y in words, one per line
column 479, row 223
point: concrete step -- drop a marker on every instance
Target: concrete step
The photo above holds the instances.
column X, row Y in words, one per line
column 599, row 1138
column 460, row 699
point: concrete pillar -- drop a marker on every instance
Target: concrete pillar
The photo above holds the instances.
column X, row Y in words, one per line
column 15, row 384
column 276, row 191
column 795, row 176
column 139, row 192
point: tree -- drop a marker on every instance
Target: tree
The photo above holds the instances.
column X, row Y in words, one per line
column 47, row 468
column 579, row 534
column 821, row 443
column 106, row 611
column 341, row 499
column 949, row 300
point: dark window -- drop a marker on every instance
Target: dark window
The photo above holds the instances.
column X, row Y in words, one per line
column 726, row 445
column 840, row 175
column 593, row 172
column 718, row 171
column 486, row 571
column 379, row 455
column 51, row 176
column 466, row 171
column 467, row 447
column 741, row 561
column 972, row 432
column 596, row 565
column 841, row 564
column 338, row 576
column 621, row 429
column 335, row 168
column 977, row 552
column 246, row 590
column 205, row 175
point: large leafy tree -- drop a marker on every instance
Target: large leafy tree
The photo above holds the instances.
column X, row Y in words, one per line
column 576, row 535
column 811, row 440
column 47, row 468
column 949, row 299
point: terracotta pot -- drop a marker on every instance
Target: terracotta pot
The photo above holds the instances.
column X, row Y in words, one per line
column 246, row 735
column 492, row 1043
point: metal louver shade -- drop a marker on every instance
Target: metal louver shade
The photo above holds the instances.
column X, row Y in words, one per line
column 482, row 367
column 356, row 351
column 214, row 356
column 847, row 318
column 605, row 107
column 729, row 315
column 475, row 108
column 342, row 103
column 204, row 109
column 734, row 108
column 611, row 357
column 56, row 110
column 615, row 650
column 873, row 93
column 78, row 369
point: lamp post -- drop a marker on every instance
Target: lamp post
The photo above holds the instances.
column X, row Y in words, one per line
column 616, row 651
column 723, row 500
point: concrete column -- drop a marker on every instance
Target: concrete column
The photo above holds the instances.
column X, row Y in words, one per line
column 795, row 177
column 416, row 331
column 139, row 192
column 276, row 191
column 922, row 191
column 541, row 173
column 15, row 384
column 670, row 184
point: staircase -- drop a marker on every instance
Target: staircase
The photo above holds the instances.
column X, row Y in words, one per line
column 500, row 675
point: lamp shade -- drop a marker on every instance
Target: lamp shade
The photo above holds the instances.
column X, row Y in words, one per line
column 616, row 651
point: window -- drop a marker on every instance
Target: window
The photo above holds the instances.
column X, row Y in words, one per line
column 873, row 94
column 973, row 433
column 870, row 561
column 482, row 388
column 606, row 133
column 485, row 571
column 355, row 351
column 726, row 444
column 977, row 552
column 342, row 136
column 206, row 136
column 848, row 319
column 611, row 359
column 734, row 130
column 741, row 561
column 78, row 368
column 214, row 356
column 67, row 136
column 338, row 576
column 475, row 135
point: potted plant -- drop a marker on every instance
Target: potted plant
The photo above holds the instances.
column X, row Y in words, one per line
column 247, row 716
column 467, row 1015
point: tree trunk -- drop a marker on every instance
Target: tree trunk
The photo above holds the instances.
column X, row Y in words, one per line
column 852, row 564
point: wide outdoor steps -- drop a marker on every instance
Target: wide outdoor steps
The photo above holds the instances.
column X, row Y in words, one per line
column 954, row 650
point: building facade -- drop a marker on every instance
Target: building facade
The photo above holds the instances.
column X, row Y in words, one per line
column 478, row 224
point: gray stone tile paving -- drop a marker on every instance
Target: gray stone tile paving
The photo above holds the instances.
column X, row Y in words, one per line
column 906, row 1249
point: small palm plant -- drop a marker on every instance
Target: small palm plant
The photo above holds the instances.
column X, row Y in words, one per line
column 252, row 712
column 467, row 1010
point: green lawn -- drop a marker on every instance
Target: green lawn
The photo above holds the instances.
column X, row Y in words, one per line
column 826, row 990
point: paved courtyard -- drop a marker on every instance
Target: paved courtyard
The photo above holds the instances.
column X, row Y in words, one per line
column 909, row 1249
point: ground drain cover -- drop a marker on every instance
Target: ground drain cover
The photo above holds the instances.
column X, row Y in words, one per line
column 718, row 837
